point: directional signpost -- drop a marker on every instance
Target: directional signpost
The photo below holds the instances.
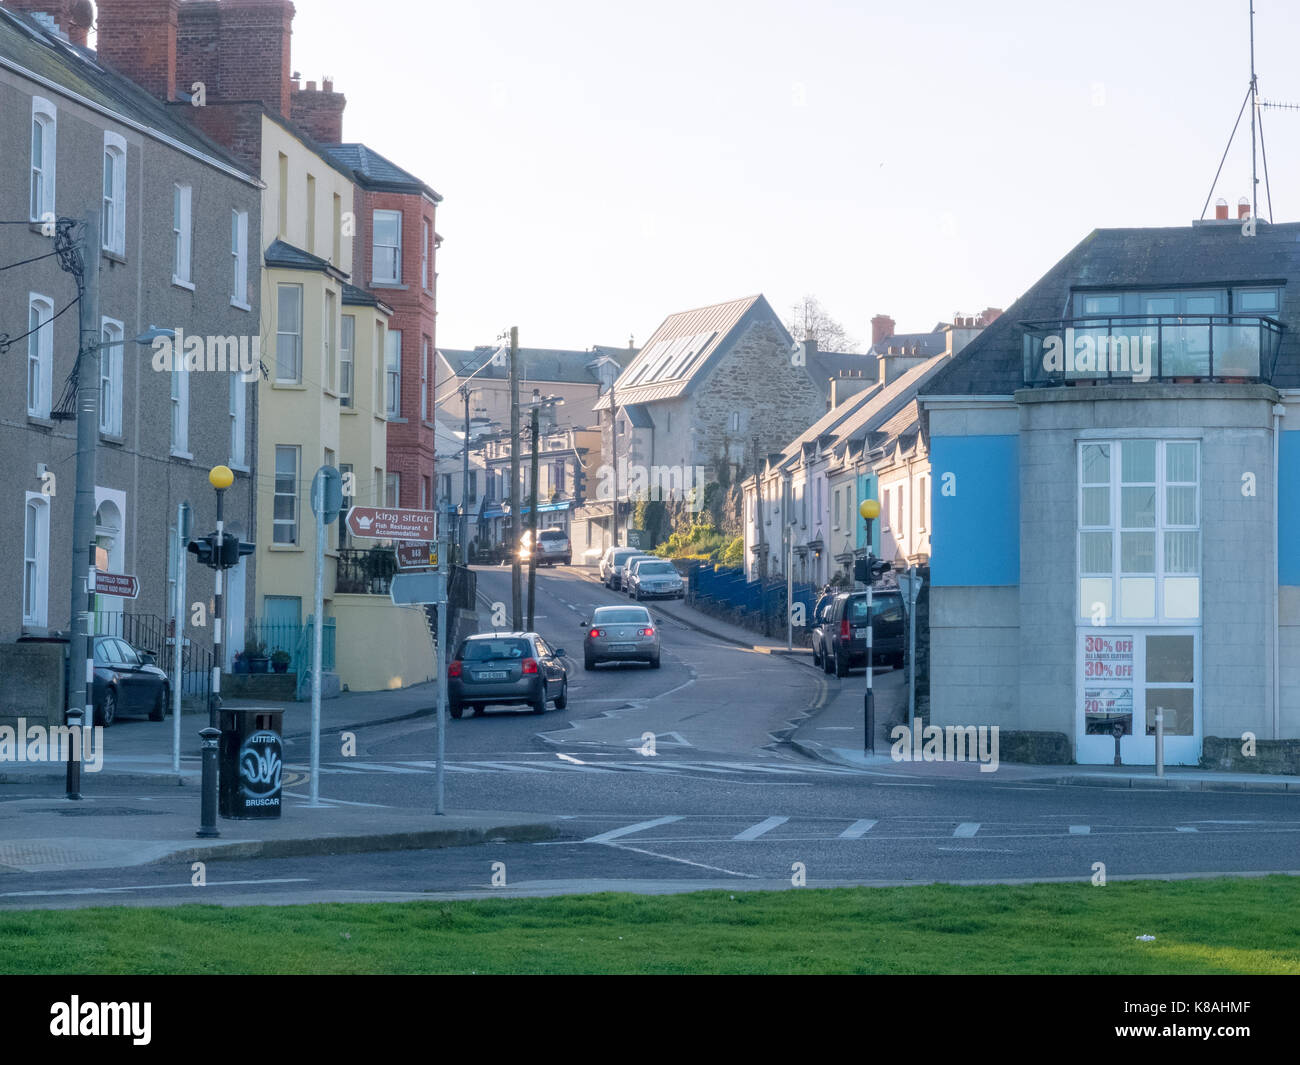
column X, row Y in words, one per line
column 390, row 523
column 119, row 584
column 326, row 502
column 417, row 556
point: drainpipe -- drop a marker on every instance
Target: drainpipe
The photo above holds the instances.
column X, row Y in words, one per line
column 1279, row 411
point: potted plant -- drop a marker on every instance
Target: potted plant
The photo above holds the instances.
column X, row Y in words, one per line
column 280, row 660
column 255, row 655
column 240, row 664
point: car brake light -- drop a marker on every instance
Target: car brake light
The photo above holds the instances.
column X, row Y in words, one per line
column 530, row 665
column 596, row 632
column 645, row 632
column 844, row 629
column 453, row 668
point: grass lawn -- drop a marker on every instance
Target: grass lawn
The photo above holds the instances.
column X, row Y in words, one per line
column 1201, row 926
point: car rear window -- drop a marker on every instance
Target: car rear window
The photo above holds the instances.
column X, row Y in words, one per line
column 486, row 650
column 620, row 615
column 552, row 534
column 881, row 605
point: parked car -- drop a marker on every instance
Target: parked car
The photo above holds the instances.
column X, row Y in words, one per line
column 619, row 572
column 656, row 579
column 845, row 645
column 552, row 547
column 127, row 681
column 620, row 634
column 819, row 634
column 506, row 668
column 611, row 557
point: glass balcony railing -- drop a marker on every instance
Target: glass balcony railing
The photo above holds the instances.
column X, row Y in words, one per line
column 1125, row 349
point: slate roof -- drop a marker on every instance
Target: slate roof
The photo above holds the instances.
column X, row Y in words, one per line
column 685, row 348
column 25, row 43
column 287, row 256
column 824, row 365
column 536, row 364
column 377, row 173
column 1217, row 256
column 881, row 414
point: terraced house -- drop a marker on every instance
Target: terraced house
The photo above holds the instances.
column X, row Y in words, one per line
column 1116, row 466
column 175, row 211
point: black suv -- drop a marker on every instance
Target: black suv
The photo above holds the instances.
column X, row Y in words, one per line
column 844, row 631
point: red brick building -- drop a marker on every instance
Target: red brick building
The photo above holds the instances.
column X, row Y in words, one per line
column 394, row 259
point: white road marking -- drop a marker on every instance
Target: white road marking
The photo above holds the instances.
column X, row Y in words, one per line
column 343, row 802
column 1080, row 830
column 376, row 767
column 858, row 829
column 627, row 830
column 148, row 887
column 569, row 758
column 1185, row 828
column 684, row 861
column 766, row 825
column 966, row 829
column 510, row 767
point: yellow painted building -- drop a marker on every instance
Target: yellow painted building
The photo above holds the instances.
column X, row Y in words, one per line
column 320, row 403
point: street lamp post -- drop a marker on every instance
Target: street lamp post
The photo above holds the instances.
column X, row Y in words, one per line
column 870, row 511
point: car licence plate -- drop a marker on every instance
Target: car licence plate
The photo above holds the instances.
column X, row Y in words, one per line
column 859, row 634
column 622, row 647
column 499, row 674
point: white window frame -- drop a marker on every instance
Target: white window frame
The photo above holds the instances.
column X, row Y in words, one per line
column 238, row 421
column 330, row 342
column 182, row 235
column 393, row 373
column 180, row 409
column 291, row 523
column 347, row 359
column 40, row 355
column 295, row 336
column 239, row 259
column 424, row 379
column 427, row 237
column 41, row 186
column 113, row 214
column 396, row 276
column 1116, row 529
column 36, row 561
column 112, row 333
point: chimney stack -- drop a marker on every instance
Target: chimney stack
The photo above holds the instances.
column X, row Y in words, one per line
column 72, row 18
column 319, row 113
column 882, row 327
column 138, row 39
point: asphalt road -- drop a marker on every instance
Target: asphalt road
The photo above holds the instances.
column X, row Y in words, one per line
column 719, row 802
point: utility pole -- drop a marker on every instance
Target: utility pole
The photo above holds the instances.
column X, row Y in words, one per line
column 464, row 487
column 1254, row 108
column 516, row 489
column 613, row 451
column 81, row 647
column 532, row 517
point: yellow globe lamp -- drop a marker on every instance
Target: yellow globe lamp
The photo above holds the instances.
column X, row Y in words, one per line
column 869, row 509
column 221, row 478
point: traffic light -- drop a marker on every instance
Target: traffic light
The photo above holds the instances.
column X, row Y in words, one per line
column 869, row 569
column 233, row 549
column 203, row 549
column 579, row 483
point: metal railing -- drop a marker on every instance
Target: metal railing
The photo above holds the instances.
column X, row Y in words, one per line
column 365, row 570
column 1135, row 348
column 150, row 633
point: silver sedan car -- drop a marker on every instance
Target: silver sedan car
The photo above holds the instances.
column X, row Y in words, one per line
column 620, row 634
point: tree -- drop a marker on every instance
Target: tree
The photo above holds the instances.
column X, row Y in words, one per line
column 809, row 320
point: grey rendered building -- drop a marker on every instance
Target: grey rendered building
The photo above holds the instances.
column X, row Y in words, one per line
column 181, row 228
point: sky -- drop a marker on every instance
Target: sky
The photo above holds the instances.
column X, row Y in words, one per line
column 605, row 164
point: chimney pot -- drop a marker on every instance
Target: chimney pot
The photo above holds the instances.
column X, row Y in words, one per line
column 1221, row 209
column 327, row 85
column 1243, row 208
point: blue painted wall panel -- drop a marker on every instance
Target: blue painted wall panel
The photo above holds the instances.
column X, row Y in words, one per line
column 1288, row 509
column 976, row 536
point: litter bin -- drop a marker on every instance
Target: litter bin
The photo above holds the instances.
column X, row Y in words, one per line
column 251, row 762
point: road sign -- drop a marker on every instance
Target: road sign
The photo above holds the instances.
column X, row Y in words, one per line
column 409, row 589
column 118, row 584
column 910, row 585
column 416, row 555
column 333, row 494
column 388, row 523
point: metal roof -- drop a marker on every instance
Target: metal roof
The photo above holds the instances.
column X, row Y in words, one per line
column 685, row 348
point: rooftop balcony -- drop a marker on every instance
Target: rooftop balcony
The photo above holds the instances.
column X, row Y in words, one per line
column 1138, row 348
